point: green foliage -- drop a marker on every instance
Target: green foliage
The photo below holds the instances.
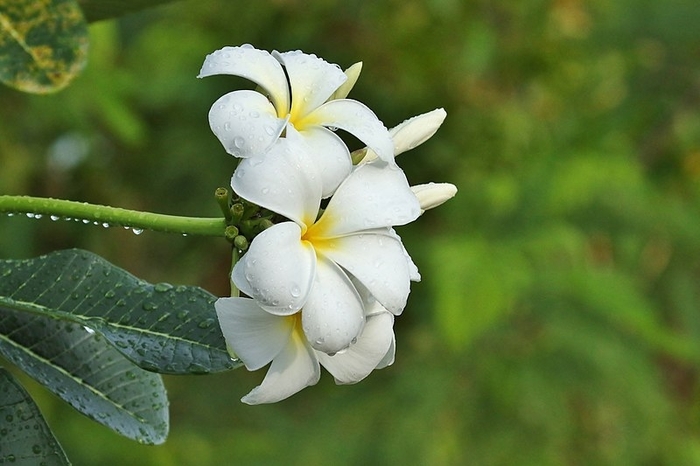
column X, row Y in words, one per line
column 26, row 437
column 82, row 327
column 161, row 328
column 43, row 44
column 83, row 369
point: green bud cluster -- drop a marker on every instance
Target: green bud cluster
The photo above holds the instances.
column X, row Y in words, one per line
column 244, row 220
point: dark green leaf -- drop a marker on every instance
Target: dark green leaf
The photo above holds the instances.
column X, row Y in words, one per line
column 43, row 44
column 96, row 10
column 25, row 438
column 87, row 372
column 162, row 328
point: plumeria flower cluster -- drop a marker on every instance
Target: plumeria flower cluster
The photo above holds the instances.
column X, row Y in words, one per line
column 322, row 286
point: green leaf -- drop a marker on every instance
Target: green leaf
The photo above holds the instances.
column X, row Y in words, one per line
column 96, row 10
column 26, row 438
column 162, row 328
column 88, row 373
column 43, row 44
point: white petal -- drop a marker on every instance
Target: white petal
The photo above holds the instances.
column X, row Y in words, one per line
column 283, row 180
column 250, row 63
column 375, row 195
column 255, row 336
column 373, row 344
column 312, row 80
column 412, row 268
column 294, row 369
column 245, row 122
column 239, row 280
column 375, row 260
column 333, row 315
column 373, row 308
column 330, row 155
column 278, row 268
column 388, row 358
column 358, row 120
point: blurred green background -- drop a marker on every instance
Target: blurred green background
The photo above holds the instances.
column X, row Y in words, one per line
column 558, row 320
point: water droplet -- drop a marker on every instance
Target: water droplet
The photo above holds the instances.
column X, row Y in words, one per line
column 295, row 291
column 110, row 294
column 162, row 287
column 149, row 306
column 206, row 323
column 137, row 231
column 36, row 449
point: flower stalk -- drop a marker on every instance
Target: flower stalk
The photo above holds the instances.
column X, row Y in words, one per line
column 112, row 216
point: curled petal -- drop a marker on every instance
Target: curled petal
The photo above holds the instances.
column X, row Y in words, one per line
column 245, row 122
column 311, row 79
column 388, row 358
column 412, row 268
column 377, row 261
column 373, row 344
column 283, row 180
column 330, row 155
column 294, row 369
column 333, row 315
column 375, row 195
column 257, row 65
column 278, row 269
column 358, row 120
column 255, row 336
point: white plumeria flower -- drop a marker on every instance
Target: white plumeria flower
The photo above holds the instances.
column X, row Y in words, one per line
column 297, row 89
column 309, row 262
column 258, row 338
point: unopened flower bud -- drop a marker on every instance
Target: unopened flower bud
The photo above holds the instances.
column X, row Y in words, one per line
column 230, row 233
column 413, row 132
column 240, row 242
column 352, row 73
column 433, row 194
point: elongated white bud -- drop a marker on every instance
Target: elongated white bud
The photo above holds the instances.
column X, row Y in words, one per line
column 433, row 194
column 413, row 132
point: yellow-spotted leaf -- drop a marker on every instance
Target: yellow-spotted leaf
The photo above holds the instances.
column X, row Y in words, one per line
column 43, row 44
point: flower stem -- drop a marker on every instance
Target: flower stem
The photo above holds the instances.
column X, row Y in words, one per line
column 112, row 216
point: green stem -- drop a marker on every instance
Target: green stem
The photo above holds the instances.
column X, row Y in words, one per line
column 112, row 216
